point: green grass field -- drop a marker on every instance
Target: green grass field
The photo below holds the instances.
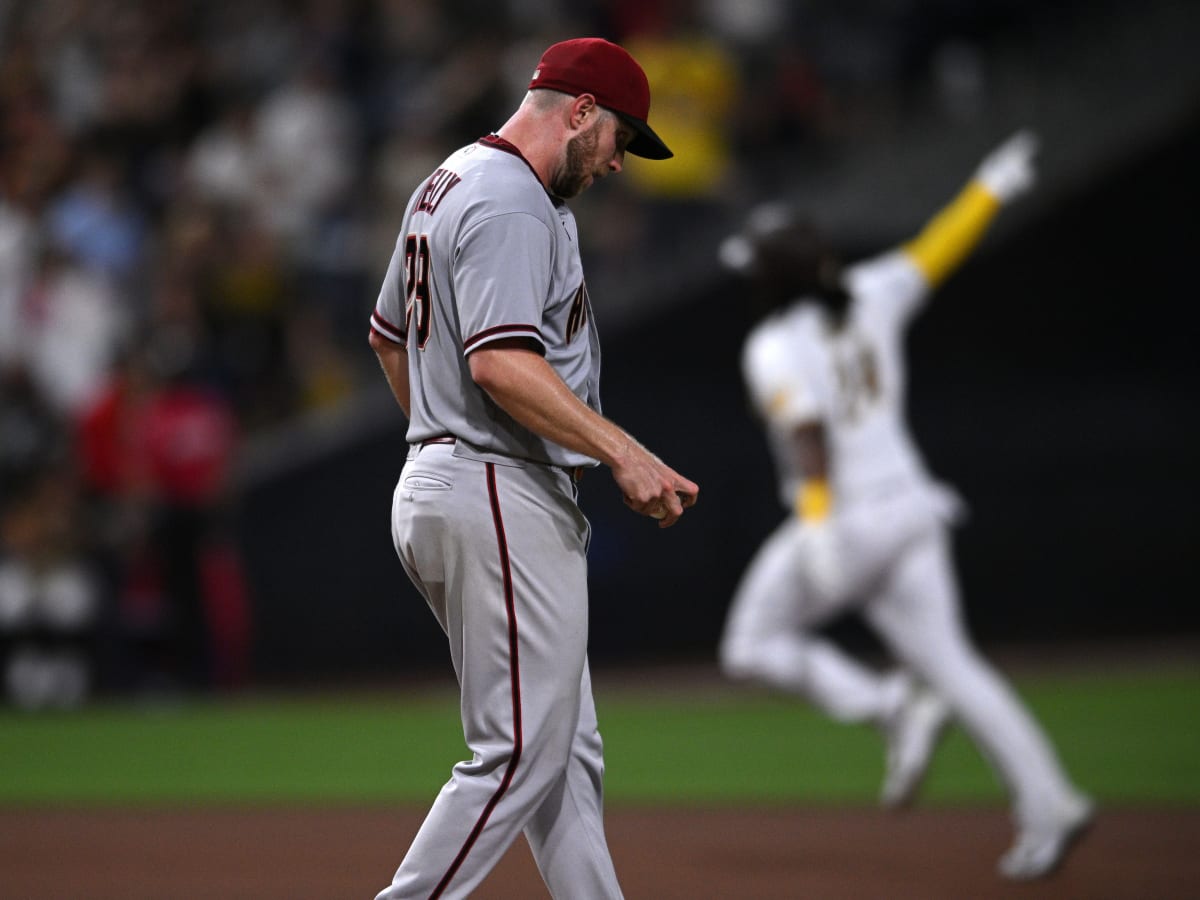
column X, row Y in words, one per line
column 1127, row 738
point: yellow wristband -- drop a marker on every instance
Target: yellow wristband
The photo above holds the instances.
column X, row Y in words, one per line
column 814, row 500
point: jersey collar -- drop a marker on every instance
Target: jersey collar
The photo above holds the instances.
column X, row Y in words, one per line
column 499, row 143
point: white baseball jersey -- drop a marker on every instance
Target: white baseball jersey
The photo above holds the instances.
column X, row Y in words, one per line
column 486, row 253
column 886, row 543
column 799, row 369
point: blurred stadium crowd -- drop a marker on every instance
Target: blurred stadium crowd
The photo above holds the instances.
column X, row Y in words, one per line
column 197, row 200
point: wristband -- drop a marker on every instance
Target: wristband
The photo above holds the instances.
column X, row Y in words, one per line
column 814, row 500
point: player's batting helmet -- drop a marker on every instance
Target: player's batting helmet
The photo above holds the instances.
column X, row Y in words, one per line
column 784, row 257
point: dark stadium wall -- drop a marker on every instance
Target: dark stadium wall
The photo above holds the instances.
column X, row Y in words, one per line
column 1052, row 383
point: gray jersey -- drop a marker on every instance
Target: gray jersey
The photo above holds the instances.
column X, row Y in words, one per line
column 486, row 253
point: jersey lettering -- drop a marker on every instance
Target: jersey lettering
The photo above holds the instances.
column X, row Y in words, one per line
column 417, row 308
column 856, row 375
column 436, row 189
column 579, row 312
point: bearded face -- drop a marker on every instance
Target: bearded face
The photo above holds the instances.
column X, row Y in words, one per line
column 580, row 166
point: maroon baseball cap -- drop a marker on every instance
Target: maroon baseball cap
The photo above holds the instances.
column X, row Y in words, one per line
column 607, row 72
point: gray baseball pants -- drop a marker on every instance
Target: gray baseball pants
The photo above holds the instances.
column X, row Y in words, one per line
column 497, row 547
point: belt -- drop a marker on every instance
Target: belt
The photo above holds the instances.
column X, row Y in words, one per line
column 575, row 473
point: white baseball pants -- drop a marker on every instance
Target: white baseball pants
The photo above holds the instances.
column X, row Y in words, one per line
column 902, row 582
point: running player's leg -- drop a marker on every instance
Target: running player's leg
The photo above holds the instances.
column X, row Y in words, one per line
column 507, row 553
column 566, row 833
column 918, row 616
column 768, row 638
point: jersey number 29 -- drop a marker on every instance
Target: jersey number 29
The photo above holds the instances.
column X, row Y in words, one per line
column 416, row 290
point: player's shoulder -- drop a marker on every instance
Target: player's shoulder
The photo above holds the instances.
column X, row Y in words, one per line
column 783, row 324
column 782, row 333
column 501, row 184
column 890, row 272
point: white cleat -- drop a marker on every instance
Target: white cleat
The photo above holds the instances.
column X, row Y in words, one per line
column 912, row 737
column 1040, row 848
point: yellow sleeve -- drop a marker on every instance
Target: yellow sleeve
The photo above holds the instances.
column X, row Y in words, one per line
column 953, row 233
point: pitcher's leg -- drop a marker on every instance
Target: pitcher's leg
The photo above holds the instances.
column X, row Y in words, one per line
column 517, row 630
column 566, row 833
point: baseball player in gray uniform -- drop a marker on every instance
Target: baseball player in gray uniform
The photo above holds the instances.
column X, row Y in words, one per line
column 869, row 530
column 486, row 335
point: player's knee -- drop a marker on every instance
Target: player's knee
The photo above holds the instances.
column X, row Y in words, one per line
column 551, row 731
column 739, row 659
column 780, row 661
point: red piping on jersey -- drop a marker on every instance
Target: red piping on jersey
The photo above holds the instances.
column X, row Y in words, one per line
column 501, row 329
column 499, row 143
column 386, row 327
column 514, row 666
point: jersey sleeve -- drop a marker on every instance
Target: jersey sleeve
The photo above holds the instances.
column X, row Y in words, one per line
column 889, row 289
column 502, row 279
column 388, row 318
column 776, row 383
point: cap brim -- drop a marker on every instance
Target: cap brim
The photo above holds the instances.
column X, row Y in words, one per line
column 645, row 143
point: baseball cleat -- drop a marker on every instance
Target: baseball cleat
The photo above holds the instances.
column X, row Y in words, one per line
column 1040, row 848
column 911, row 738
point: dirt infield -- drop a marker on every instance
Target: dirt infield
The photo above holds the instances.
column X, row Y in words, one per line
column 257, row 854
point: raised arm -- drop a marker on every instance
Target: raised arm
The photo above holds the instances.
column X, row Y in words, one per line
column 948, row 238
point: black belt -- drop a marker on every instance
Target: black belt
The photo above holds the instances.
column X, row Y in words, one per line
column 575, row 473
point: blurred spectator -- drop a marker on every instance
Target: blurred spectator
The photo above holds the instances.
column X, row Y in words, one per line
column 49, row 594
column 784, row 102
column 31, row 433
column 50, row 600
column 221, row 166
column 95, row 220
column 306, row 140
column 155, row 450
column 69, row 326
column 18, row 246
column 246, row 298
column 748, row 23
column 694, row 81
column 959, row 79
column 69, row 62
column 250, row 46
column 331, row 276
column 35, row 151
column 325, row 378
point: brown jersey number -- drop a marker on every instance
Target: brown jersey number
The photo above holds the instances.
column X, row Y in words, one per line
column 416, row 290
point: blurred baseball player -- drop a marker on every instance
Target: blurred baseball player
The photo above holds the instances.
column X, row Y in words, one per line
column 486, row 335
column 825, row 371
